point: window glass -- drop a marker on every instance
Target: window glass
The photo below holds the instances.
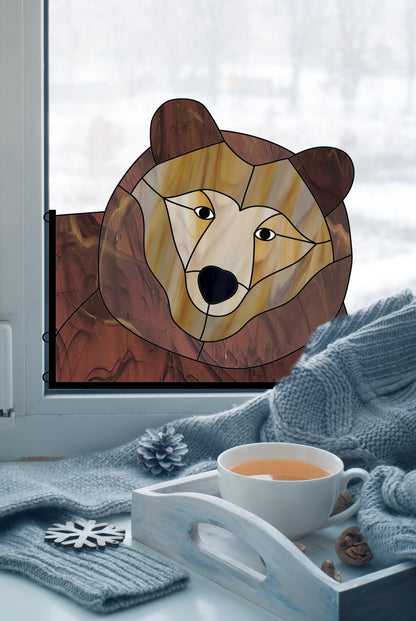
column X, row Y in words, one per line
column 300, row 74
column 207, row 261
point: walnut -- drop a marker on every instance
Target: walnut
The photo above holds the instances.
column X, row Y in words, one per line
column 301, row 546
column 344, row 501
column 328, row 568
column 351, row 547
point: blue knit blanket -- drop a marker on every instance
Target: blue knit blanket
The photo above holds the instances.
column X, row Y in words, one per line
column 353, row 392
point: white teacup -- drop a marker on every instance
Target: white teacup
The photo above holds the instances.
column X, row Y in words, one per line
column 294, row 507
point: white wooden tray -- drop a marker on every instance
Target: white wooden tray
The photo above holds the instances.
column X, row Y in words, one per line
column 186, row 520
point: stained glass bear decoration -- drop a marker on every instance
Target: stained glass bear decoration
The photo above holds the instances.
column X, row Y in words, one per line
column 217, row 256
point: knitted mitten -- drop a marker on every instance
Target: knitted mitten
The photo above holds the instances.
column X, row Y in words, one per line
column 345, row 325
column 387, row 515
column 354, row 395
column 101, row 580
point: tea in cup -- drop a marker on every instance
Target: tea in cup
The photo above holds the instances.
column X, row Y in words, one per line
column 294, row 487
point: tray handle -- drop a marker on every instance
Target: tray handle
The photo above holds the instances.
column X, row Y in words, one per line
column 252, row 565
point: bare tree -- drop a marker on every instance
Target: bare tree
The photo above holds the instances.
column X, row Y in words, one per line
column 410, row 14
column 299, row 15
column 355, row 19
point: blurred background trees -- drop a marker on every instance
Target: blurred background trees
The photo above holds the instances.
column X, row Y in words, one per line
column 299, row 72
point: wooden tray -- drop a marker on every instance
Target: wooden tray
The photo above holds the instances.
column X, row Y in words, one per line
column 186, row 520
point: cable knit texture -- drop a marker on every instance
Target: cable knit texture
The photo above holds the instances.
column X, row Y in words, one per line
column 353, row 392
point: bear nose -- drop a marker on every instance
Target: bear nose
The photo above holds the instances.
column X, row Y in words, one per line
column 216, row 284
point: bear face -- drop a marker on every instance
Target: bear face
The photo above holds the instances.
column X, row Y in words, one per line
column 214, row 242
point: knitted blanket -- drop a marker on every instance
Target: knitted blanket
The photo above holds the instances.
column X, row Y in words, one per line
column 353, row 392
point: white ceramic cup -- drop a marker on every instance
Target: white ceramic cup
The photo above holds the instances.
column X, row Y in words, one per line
column 295, row 508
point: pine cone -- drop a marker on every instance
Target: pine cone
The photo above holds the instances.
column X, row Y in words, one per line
column 161, row 452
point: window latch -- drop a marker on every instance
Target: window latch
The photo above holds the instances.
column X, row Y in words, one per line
column 6, row 373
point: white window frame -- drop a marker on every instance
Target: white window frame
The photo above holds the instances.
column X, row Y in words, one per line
column 49, row 423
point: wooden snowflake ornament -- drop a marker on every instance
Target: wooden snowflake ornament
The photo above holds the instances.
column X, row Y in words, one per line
column 82, row 533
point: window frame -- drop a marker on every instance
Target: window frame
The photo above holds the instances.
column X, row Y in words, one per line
column 41, row 413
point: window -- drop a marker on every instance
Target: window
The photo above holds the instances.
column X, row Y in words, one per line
column 300, row 74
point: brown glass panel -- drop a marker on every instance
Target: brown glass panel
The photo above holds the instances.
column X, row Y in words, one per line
column 92, row 347
column 76, row 261
column 255, row 150
column 328, row 173
column 137, row 170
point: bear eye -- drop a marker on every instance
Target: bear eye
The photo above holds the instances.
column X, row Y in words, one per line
column 205, row 213
column 265, row 234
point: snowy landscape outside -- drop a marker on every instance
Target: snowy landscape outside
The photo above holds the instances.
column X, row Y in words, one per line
column 301, row 73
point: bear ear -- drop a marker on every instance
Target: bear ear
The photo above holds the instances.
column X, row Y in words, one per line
column 180, row 126
column 328, row 173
